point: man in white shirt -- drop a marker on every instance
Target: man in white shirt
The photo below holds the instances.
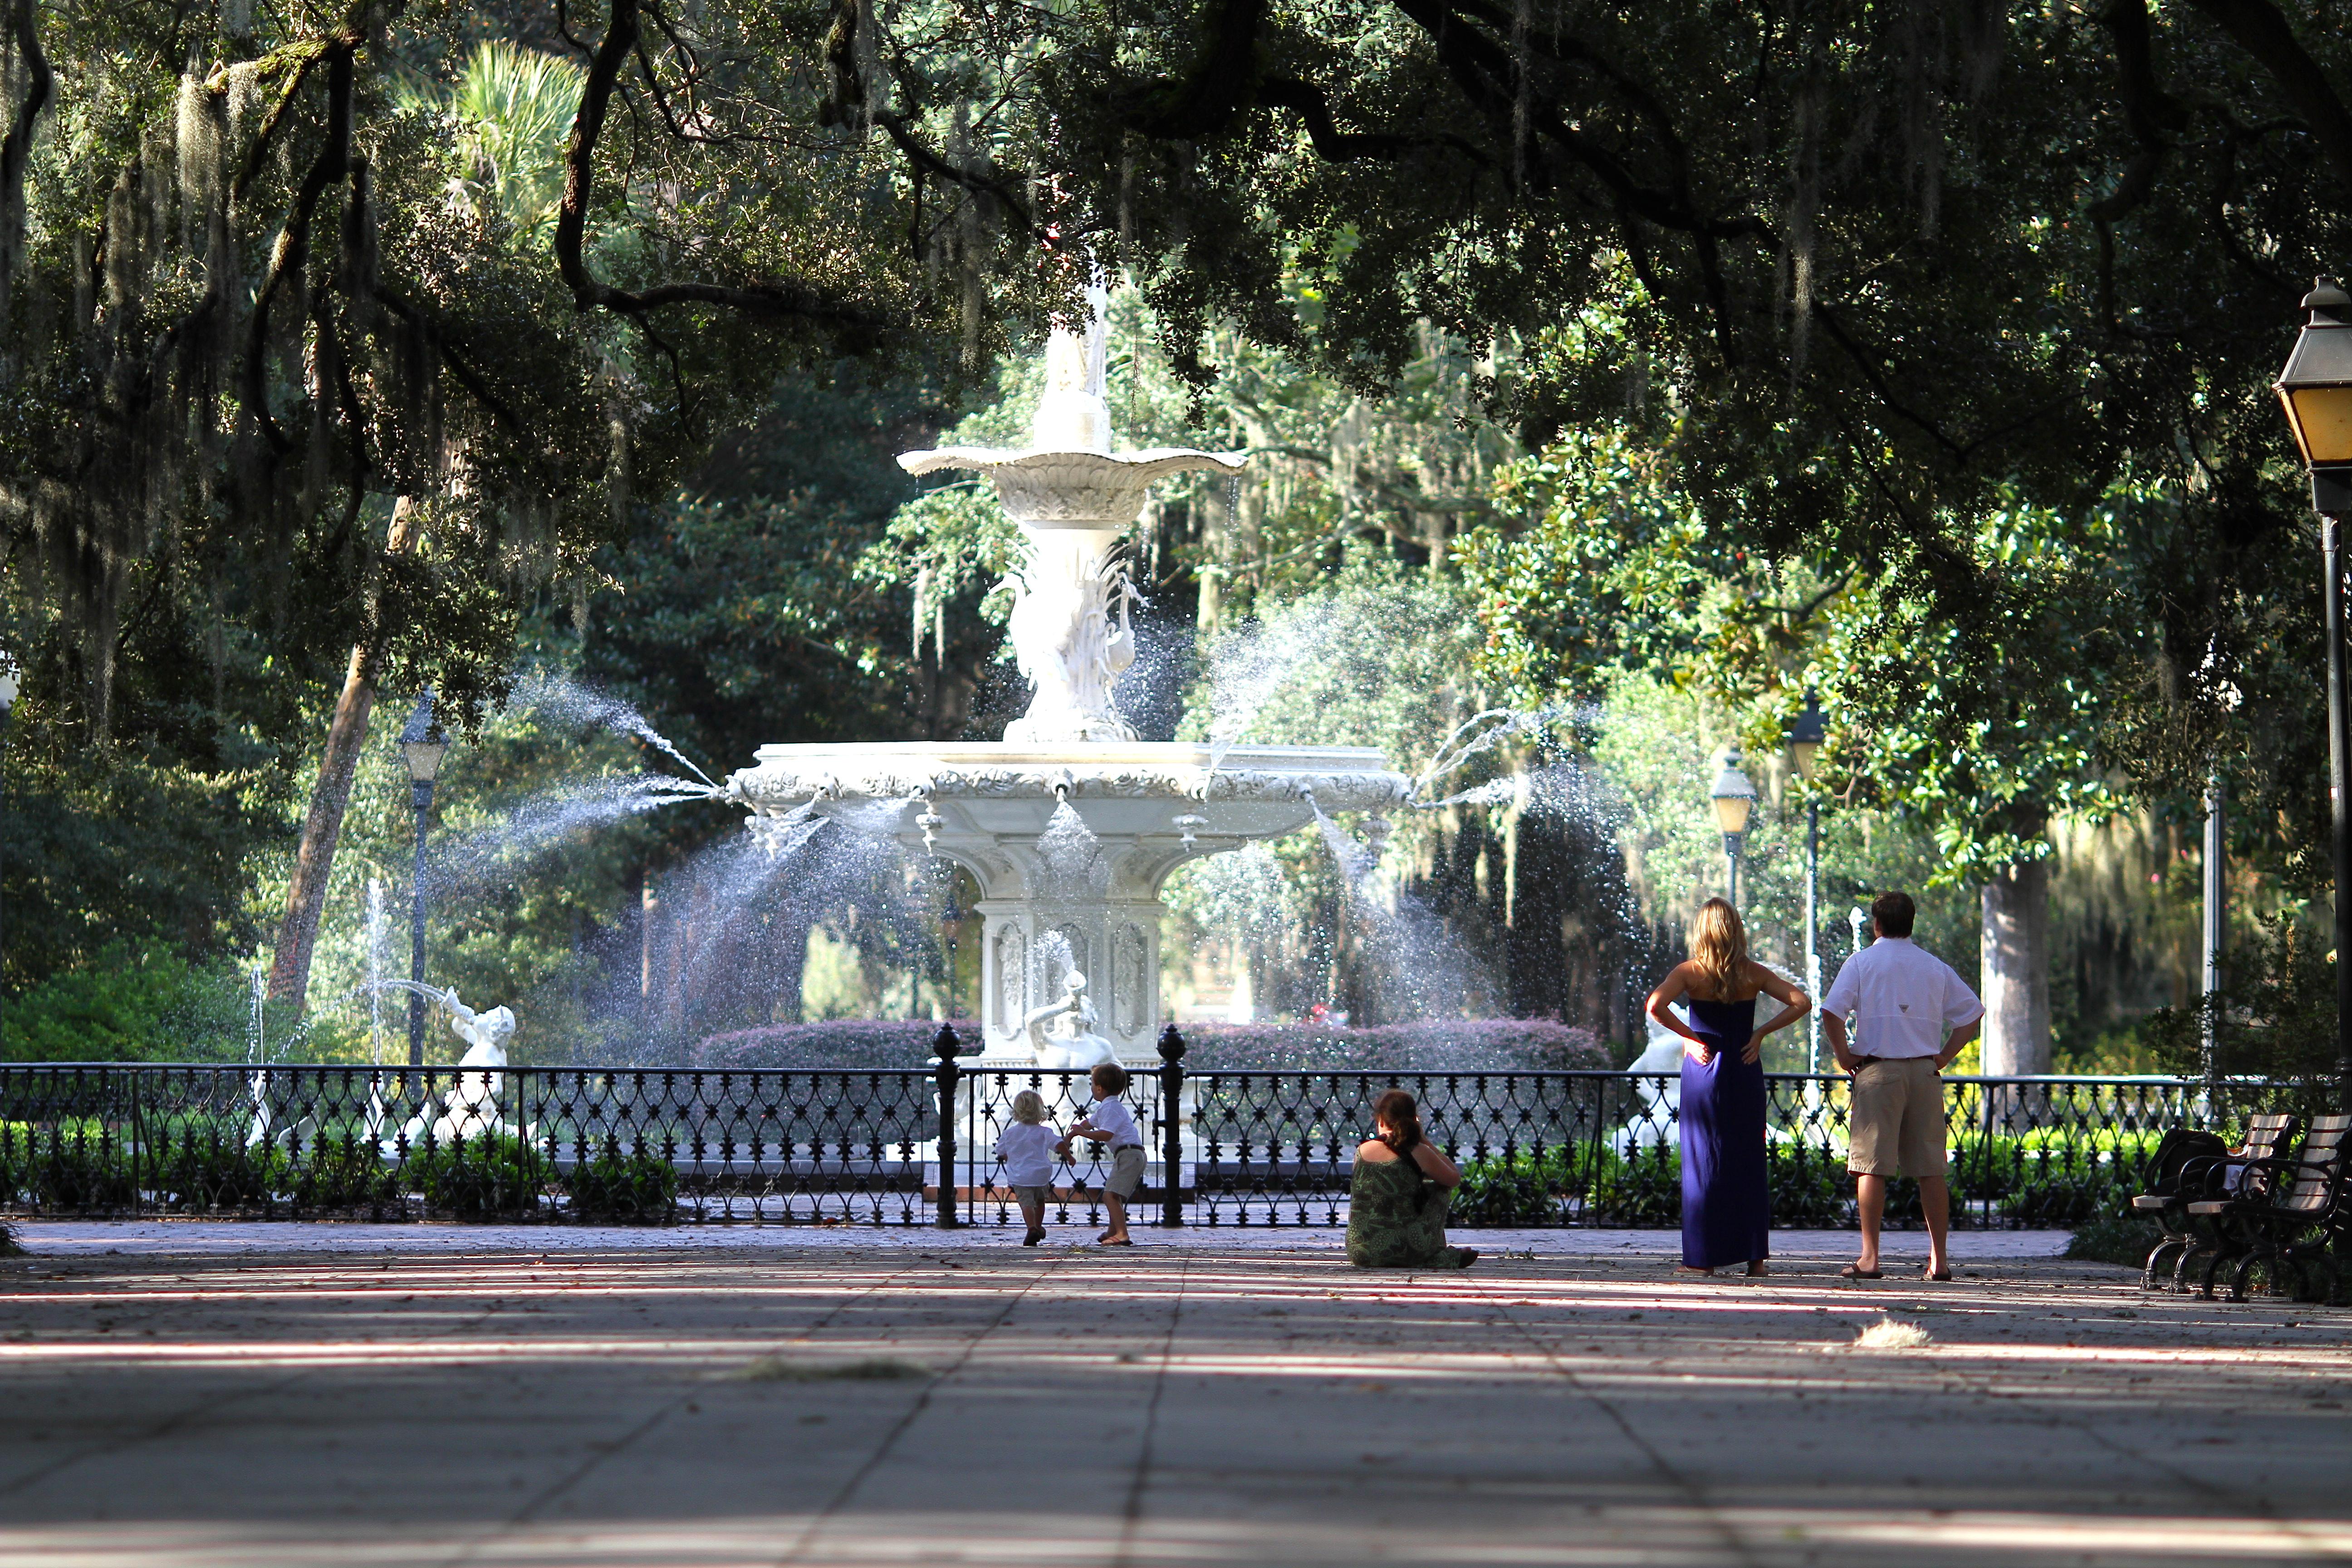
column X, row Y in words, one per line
column 1912, row 1014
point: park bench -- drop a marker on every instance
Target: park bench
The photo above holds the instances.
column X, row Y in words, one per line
column 2212, row 1174
column 2290, row 1225
column 2167, row 1201
column 2244, row 1172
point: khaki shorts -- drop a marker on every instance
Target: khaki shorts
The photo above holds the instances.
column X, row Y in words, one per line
column 1898, row 1119
column 1040, row 1196
column 1126, row 1171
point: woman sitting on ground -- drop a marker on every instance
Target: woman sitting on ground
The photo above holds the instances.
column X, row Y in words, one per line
column 1396, row 1203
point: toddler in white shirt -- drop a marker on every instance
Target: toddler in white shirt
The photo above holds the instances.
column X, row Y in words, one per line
column 1026, row 1151
column 1110, row 1126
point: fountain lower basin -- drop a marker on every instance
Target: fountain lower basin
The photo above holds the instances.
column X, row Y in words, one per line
column 1148, row 806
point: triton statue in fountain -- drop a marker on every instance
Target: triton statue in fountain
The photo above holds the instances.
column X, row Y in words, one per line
column 1062, row 1033
column 1071, row 766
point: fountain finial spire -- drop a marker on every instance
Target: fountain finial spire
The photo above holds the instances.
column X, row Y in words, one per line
column 1073, row 414
column 1073, row 499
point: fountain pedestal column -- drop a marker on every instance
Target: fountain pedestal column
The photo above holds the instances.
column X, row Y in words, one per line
column 1114, row 943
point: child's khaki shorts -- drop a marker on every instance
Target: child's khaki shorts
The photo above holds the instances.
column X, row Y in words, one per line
column 1039, row 1195
column 1126, row 1171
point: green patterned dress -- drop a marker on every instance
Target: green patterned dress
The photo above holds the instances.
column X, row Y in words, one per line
column 1396, row 1219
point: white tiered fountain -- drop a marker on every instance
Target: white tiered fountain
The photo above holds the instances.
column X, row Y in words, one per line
column 1070, row 824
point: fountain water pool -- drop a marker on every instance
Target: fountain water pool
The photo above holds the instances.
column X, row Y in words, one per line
column 1004, row 810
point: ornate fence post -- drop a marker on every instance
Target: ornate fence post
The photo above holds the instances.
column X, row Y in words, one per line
column 138, row 1125
column 1172, row 1128
column 1992, row 1170
column 945, row 1045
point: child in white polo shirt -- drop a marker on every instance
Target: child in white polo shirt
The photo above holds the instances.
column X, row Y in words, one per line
column 1110, row 1126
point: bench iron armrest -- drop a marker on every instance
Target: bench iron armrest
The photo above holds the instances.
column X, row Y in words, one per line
column 2204, row 1174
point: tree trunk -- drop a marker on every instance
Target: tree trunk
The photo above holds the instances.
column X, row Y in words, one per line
column 2015, row 949
column 649, row 939
column 323, row 824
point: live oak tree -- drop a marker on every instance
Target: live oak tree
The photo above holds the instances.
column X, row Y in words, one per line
column 287, row 351
column 1880, row 268
column 1880, row 273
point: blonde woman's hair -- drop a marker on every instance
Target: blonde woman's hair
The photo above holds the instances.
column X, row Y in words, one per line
column 1029, row 1106
column 1718, row 950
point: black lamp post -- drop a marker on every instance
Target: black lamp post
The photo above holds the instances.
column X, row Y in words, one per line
column 1734, row 797
column 422, row 746
column 8, row 689
column 1805, row 738
column 951, row 933
column 2315, row 389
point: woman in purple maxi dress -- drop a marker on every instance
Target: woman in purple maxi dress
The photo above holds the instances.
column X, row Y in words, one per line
column 1726, row 1194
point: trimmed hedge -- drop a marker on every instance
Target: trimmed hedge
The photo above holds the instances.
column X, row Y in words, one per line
column 2036, row 1184
column 494, row 1175
column 1435, row 1044
column 1638, row 1189
column 636, row 1188
column 835, row 1043
column 1450, row 1045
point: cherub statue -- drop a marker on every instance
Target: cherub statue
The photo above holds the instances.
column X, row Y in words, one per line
column 1062, row 1033
column 470, row 1107
column 485, row 1034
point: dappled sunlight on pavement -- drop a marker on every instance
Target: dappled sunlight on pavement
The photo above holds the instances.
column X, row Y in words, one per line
column 1185, row 1403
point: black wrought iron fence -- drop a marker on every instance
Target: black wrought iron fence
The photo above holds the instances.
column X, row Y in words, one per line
column 917, row 1146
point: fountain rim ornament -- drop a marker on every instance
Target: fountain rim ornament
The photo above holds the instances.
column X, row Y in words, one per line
column 1341, row 778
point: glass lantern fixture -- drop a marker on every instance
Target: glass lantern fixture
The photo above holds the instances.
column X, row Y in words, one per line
column 2316, row 389
column 422, row 745
column 1806, row 734
column 1735, row 798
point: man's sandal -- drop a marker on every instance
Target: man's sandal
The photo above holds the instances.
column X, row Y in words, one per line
column 1856, row 1271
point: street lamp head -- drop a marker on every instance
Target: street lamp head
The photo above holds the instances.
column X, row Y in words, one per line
column 1806, row 733
column 1734, row 796
column 2316, row 389
column 952, row 921
column 421, row 743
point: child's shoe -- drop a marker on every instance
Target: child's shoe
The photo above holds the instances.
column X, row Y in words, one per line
column 1036, row 1235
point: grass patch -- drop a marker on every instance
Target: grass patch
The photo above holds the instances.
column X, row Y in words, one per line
column 2114, row 1238
column 866, row 1369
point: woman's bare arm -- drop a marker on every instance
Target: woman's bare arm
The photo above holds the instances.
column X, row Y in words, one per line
column 1671, row 990
column 1793, row 1005
column 1434, row 1163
